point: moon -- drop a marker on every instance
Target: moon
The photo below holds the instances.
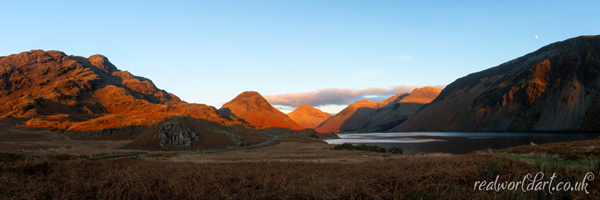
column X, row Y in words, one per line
column 536, row 37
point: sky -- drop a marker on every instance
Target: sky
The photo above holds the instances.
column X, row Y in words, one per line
column 210, row 51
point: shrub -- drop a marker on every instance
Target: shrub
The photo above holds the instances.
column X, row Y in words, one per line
column 364, row 147
column 396, row 150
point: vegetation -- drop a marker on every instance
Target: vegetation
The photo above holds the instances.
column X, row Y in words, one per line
column 364, row 147
column 413, row 176
column 396, row 150
column 408, row 177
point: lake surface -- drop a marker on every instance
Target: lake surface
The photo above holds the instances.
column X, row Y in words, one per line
column 458, row 142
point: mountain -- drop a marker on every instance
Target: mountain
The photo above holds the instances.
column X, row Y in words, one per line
column 91, row 99
column 400, row 108
column 255, row 110
column 368, row 116
column 51, row 89
column 555, row 88
column 353, row 117
column 421, row 95
column 308, row 117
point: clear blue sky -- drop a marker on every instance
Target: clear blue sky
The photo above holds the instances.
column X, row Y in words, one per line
column 210, row 51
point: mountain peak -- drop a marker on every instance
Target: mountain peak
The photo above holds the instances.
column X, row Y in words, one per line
column 250, row 100
column 102, row 63
column 308, row 116
column 422, row 95
column 254, row 109
column 250, row 93
column 304, row 106
column 365, row 103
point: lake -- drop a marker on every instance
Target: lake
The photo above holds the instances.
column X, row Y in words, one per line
column 458, row 142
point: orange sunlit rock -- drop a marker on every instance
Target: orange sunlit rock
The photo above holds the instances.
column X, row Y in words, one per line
column 43, row 85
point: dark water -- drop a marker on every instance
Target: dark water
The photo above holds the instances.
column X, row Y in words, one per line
column 459, row 142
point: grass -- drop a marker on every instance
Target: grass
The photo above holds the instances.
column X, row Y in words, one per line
column 413, row 176
column 408, row 177
column 133, row 178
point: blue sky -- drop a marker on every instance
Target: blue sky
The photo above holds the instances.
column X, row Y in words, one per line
column 210, row 51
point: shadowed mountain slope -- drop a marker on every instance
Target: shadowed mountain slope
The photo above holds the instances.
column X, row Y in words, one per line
column 367, row 116
column 555, row 88
column 402, row 107
column 353, row 117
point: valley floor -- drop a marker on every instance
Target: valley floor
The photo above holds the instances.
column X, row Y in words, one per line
column 43, row 164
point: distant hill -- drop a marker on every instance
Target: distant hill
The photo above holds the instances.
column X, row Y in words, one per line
column 368, row 116
column 401, row 108
column 255, row 110
column 353, row 117
column 555, row 88
column 308, row 117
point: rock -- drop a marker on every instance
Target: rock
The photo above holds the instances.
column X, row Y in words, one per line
column 177, row 134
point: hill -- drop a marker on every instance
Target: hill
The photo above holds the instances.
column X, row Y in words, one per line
column 555, row 88
column 308, row 117
column 252, row 108
column 368, row 116
column 353, row 117
column 402, row 107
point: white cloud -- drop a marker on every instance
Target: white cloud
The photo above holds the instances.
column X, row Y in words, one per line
column 284, row 108
column 332, row 109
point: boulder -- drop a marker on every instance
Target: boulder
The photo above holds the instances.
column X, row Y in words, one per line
column 177, row 134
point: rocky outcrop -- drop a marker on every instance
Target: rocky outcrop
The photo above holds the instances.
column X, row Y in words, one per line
column 174, row 133
column 555, row 88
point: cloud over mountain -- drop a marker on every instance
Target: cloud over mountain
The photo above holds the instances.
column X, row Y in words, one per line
column 336, row 96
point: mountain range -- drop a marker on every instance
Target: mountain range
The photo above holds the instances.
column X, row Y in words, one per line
column 90, row 98
column 555, row 88
column 368, row 116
